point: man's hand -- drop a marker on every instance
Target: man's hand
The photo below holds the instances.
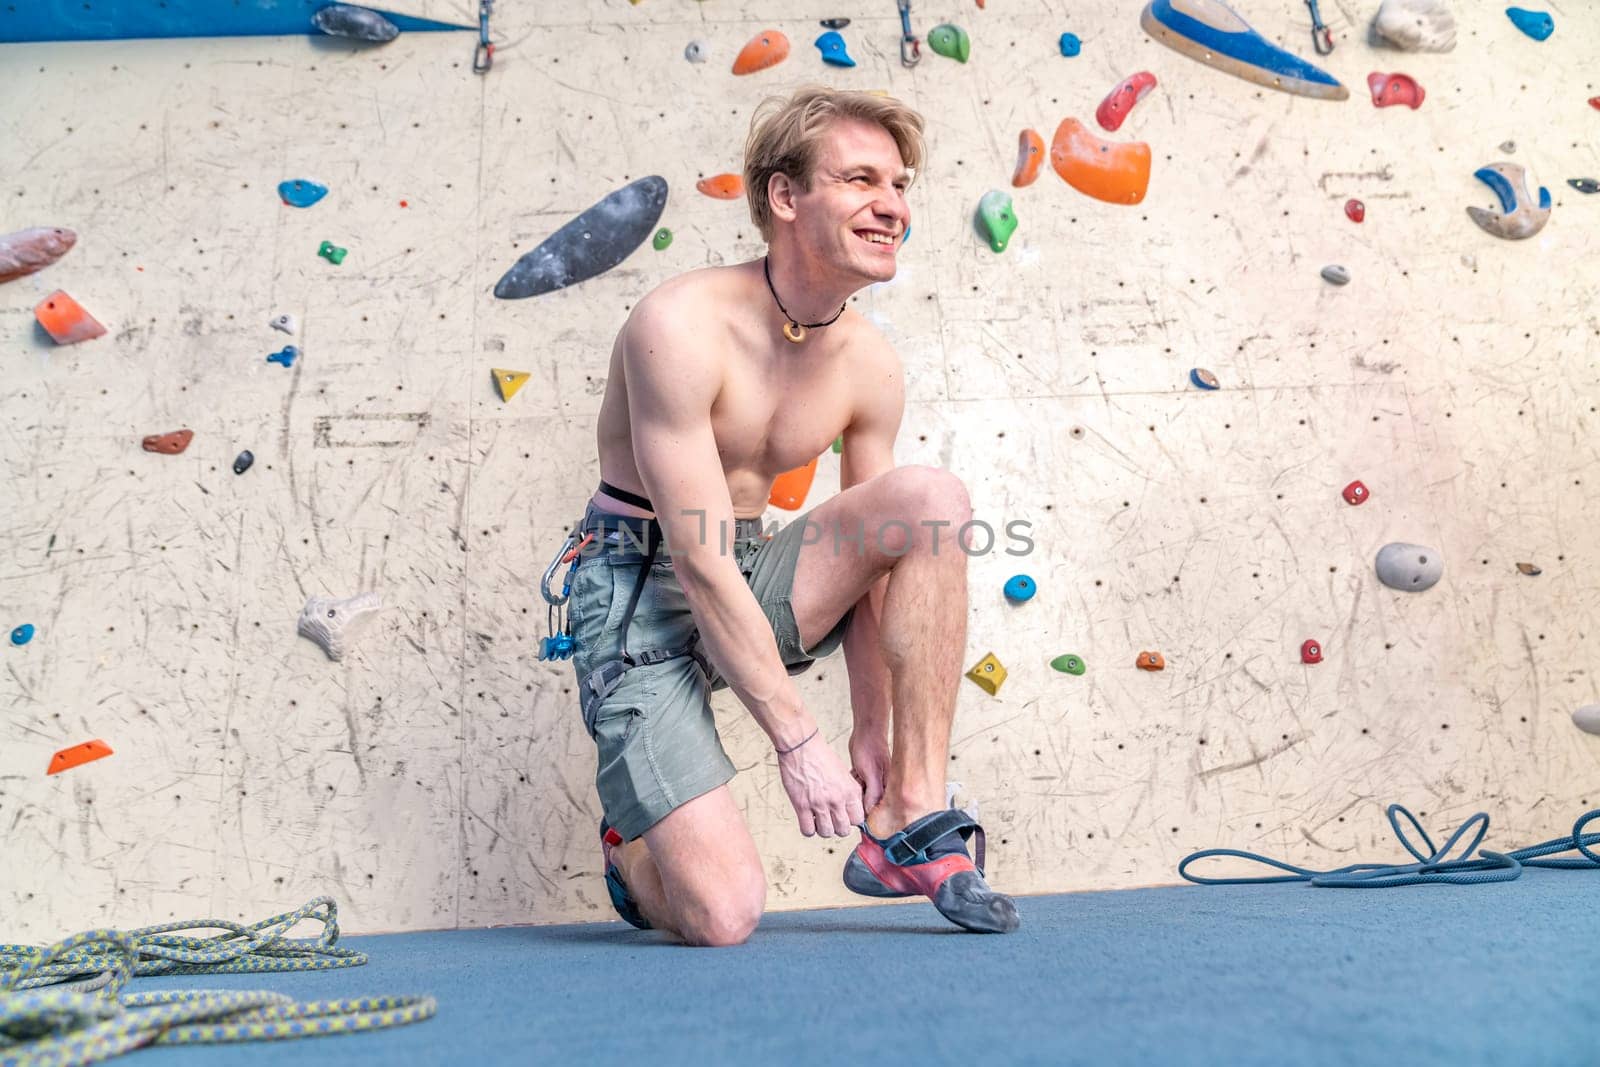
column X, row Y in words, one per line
column 869, row 763
column 825, row 797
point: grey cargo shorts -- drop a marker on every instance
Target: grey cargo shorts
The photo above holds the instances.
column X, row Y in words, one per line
column 655, row 735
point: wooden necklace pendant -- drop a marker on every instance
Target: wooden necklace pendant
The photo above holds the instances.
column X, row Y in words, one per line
column 794, row 332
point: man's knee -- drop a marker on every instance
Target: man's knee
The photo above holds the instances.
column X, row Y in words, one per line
column 731, row 918
column 931, row 505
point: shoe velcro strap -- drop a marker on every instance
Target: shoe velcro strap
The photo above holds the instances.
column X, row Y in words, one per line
column 910, row 846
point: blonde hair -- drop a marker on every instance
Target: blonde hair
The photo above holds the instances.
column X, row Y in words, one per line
column 786, row 139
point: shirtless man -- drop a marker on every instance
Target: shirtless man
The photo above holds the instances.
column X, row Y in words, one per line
column 720, row 380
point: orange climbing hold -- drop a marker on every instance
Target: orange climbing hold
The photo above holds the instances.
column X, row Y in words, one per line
column 1115, row 173
column 1151, row 661
column 766, row 49
column 722, row 186
column 65, row 321
column 1030, row 157
column 169, row 443
column 78, row 755
column 789, row 491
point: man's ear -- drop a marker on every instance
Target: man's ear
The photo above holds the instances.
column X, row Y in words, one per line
column 781, row 193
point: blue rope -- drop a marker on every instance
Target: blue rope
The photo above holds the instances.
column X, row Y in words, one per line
column 1432, row 867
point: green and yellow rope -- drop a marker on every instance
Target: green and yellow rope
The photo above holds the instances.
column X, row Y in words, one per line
column 63, row 1005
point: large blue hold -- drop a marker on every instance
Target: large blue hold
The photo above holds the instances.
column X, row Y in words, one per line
column 1211, row 32
column 108, row 20
column 301, row 193
column 1536, row 24
column 833, row 50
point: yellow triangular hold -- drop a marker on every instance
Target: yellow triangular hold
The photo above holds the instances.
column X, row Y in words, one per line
column 508, row 381
column 988, row 674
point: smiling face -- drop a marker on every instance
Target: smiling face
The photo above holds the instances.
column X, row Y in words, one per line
column 854, row 217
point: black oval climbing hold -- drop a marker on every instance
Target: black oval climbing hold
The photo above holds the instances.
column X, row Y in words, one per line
column 242, row 462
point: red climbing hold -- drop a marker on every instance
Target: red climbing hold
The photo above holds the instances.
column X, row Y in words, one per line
column 1355, row 210
column 168, row 443
column 1391, row 89
column 1356, row 493
column 1115, row 107
column 1311, row 652
column 1594, row 102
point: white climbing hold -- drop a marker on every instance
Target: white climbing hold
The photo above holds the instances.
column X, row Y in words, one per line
column 1336, row 274
column 696, row 51
column 1587, row 718
column 285, row 323
column 1409, row 568
column 334, row 623
column 1416, row 25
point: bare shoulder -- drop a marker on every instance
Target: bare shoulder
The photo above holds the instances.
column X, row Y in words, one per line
column 663, row 342
column 877, row 366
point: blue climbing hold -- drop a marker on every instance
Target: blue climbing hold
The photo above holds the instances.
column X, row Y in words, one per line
column 301, row 193
column 1020, row 588
column 1201, row 378
column 22, row 634
column 285, row 357
column 1070, row 45
column 833, row 50
column 1536, row 24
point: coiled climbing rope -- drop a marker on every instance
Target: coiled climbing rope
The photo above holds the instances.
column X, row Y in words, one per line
column 1429, row 868
column 63, row 1005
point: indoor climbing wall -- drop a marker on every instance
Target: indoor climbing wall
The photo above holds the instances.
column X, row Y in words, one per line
column 1173, row 368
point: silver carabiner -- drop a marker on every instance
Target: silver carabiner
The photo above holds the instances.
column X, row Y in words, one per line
column 568, row 552
column 483, row 57
column 910, row 47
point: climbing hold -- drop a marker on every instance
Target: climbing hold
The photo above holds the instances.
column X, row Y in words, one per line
column 1356, row 493
column 996, row 218
column 1030, row 157
column 1151, row 661
column 722, row 186
column 1508, row 147
column 1584, row 185
column 950, row 41
column 833, row 50
column 26, row 251
column 284, row 323
column 285, row 356
column 766, row 49
column 789, row 489
column 988, row 674
column 591, row 244
column 1416, row 25
column 357, row 23
column 65, row 321
column 1311, row 652
column 1587, row 718
column 662, row 239
column 1517, row 218
column 695, row 51
column 78, row 755
column 1529, row 569
column 21, row 635
column 1201, row 378
column 1070, row 45
column 1068, row 664
column 170, row 444
column 1129, row 91
column 509, row 381
column 334, row 624
column 835, row 24
column 1019, row 588
column 1594, row 102
column 243, row 461
column 301, row 193
column 838, row 445
column 1536, row 24
column 332, row 252
column 1115, row 173
column 1355, row 210
column 1212, row 33
column 1336, row 274
column 1409, row 568
column 1391, row 89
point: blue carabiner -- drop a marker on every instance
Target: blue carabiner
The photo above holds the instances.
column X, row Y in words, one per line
column 1321, row 36
column 910, row 47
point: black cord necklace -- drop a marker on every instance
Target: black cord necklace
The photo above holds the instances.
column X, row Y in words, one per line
column 792, row 330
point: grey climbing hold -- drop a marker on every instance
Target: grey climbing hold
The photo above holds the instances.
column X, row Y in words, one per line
column 1508, row 147
column 1409, row 568
column 602, row 236
column 696, row 51
column 1587, row 718
column 285, row 323
column 333, row 623
column 357, row 23
column 1336, row 274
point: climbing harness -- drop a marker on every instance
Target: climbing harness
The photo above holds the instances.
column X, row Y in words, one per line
column 483, row 57
column 1321, row 36
column 910, row 47
column 561, row 644
column 1430, row 868
column 62, row 1005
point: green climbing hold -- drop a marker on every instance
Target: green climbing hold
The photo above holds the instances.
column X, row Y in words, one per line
column 663, row 238
column 331, row 252
column 950, row 41
column 838, row 444
column 998, row 220
column 1068, row 664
